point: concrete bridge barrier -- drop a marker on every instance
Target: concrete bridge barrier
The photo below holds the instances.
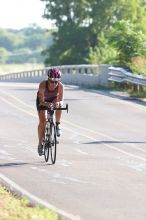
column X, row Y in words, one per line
column 82, row 75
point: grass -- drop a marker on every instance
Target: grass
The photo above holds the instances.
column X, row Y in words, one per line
column 134, row 91
column 141, row 95
column 13, row 208
column 11, row 68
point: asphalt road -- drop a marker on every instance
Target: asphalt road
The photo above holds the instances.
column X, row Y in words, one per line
column 100, row 172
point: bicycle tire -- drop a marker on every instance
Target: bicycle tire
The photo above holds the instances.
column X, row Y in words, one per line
column 46, row 153
column 53, row 144
column 46, row 145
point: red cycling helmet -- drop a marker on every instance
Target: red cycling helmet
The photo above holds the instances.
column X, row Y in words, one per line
column 54, row 74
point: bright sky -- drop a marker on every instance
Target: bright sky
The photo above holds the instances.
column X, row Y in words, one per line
column 17, row 14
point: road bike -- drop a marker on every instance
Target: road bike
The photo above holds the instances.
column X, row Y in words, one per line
column 50, row 137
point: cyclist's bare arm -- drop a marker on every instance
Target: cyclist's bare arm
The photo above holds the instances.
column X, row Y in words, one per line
column 59, row 99
column 61, row 94
column 41, row 94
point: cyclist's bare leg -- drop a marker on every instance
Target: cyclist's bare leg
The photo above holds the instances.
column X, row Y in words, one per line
column 41, row 126
column 58, row 115
column 58, row 118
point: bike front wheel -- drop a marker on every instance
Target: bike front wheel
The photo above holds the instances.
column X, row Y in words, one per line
column 53, row 143
column 46, row 144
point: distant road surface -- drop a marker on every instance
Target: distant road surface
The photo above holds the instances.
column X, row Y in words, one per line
column 100, row 172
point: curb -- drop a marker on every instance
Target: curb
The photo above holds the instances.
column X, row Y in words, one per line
column 20, row 192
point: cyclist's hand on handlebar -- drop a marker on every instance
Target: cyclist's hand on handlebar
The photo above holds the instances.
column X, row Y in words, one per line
column 59, row 104
column 50, row 105
column 47, row 104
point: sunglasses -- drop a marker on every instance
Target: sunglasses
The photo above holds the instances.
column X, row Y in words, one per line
column 53, row 82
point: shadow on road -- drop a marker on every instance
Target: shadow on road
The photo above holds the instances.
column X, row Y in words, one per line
column 12, row 164
column 37, row 163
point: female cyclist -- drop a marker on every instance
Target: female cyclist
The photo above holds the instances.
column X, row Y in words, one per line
column 50, row 93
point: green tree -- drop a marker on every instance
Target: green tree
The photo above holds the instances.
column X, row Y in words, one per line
column 129, row 42
column 24, row 45
column 10, row 40
column 67, row 47
column 3, row 55
column 80, row 24
column 36, row 37
column 134, row 11
column 103, row 53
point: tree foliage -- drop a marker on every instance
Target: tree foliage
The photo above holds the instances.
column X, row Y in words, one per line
column 103, row 53
column 3, row 55
column 80, row 24
column 24, row 45
column 129, row 41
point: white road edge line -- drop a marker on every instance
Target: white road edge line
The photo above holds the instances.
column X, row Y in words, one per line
column 35, row 200
column 21, row 109
column 17, row 99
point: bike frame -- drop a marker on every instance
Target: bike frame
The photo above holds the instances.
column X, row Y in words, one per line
column 50, row 139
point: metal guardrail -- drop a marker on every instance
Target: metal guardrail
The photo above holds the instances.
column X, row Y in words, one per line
column 121, row 75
